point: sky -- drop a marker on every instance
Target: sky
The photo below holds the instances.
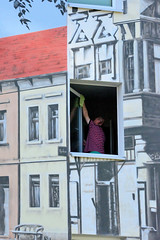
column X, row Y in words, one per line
column 43, row 15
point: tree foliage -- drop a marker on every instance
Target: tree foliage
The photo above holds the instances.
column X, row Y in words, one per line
column 24, row 6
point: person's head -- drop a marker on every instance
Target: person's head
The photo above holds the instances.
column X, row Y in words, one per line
column 99, row 121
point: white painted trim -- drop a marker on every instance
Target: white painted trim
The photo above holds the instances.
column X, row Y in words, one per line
column 34, row 97
column 54, row 94
column 116, row 7
column 98, row 156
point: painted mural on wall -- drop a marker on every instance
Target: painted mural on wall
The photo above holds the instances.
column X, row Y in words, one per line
column 114, row 62
column 117, row 50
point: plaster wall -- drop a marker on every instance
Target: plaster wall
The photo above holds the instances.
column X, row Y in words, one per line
column 11, row 218
column 54, row 220
column 42, row 97
column 9, row 103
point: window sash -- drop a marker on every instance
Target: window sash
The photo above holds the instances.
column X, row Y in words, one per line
column 35, row 191
column 33, row 123
column 53, row 121
column 54, row 198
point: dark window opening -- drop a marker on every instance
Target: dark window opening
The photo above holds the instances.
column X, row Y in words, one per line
column 100, row 101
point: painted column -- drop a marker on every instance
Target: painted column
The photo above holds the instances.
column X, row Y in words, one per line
column 145, row 67
column 121, row 63
column 136, row 68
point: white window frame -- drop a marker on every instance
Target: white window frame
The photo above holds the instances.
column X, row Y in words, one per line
column 51, row 187
column 3, row 122
column 107, row 69
column 85, row 71
column 117, row 5
column 30, row 196
column 56, row 138
column 28, row 115
column 120, row 129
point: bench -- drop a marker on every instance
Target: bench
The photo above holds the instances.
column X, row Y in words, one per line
column 28, row 232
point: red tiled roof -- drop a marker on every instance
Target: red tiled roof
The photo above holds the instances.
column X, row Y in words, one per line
column 33, row 54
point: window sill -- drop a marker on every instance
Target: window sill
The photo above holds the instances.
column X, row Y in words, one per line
column 108, row 157
column 4, row 144
column 54, row 208
column 34, row 142
column 54, row 141
column 38, row 209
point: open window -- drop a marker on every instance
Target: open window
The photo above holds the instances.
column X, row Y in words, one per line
column 101, row 100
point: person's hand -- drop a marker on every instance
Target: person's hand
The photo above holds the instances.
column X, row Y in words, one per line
column 82, row 99
column 76, row 103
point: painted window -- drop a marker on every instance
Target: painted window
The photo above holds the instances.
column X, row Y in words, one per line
column 154, row 181
column 129, row 66
column 54, row 200
column 105, row 67
column 53, row 121
column 83, row 71
column 107, row 195
column 34, row 186
column 2, row 126
column 33, row 123
column 157, row 67
column 4, row 205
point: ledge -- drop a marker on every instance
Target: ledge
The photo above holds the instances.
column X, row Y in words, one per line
column 97, row 157
column 4, row 144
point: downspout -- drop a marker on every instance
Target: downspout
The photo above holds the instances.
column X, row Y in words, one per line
column 67, row 158
column 19, row 196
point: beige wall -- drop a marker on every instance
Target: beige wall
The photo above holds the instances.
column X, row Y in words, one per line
column 42, row 97
column 9, row 102
column 54, row 220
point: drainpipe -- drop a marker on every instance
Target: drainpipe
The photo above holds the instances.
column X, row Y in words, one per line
column 16, row 83
column 68, row 158
column 145, row 230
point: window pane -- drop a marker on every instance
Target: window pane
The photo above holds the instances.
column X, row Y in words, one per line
column 106, row 67
column 1, row 115
column 54, row 191
column 4, row 204
column 83, row 71
column 53, row 121
column 34, row 191
column 2, row 126
column 1, row 132
column 129, row 63
column 33, row 123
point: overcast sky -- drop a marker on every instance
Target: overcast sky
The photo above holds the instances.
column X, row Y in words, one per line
column 43, row 15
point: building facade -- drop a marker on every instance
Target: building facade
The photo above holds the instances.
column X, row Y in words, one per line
column 45, row 176
column 9, row 158
column 107, row 50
